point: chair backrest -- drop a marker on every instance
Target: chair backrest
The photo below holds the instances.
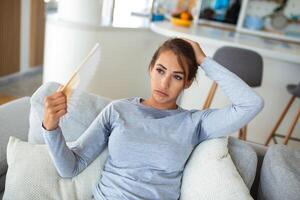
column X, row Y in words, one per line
column 294, row 89
column 246, row 64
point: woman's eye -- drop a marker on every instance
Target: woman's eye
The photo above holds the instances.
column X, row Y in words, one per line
column 160, row 71
column 178, row 77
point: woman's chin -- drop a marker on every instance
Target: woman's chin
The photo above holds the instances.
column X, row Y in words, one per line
column 161, row 99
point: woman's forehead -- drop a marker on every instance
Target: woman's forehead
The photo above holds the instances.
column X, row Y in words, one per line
column 169, row 60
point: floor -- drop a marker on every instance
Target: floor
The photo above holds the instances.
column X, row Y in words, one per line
column 20, row 87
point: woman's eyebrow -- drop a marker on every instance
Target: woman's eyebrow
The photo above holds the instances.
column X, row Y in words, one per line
column 177, row 72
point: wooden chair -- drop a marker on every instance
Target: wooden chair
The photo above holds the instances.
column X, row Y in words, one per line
column 295, row 91
column 246, row 64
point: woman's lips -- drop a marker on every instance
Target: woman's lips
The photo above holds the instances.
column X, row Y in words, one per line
column 161, row 93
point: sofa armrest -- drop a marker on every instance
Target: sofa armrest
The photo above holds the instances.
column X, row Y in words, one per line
column 14, row 121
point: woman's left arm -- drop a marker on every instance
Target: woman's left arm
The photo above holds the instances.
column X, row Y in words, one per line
column 246, row 103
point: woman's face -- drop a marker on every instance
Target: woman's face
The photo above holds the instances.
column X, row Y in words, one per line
column 167, row 79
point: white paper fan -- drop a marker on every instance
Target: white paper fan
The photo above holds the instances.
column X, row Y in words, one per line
column 81, row 78
column 83, row 72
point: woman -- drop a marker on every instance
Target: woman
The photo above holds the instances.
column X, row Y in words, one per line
column 150, row 140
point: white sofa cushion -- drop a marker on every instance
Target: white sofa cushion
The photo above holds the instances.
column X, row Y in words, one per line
column 211, row 174
column 82, row 110
column 31, row 175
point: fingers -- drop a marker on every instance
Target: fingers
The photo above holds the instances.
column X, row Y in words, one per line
column 53, row 104
column 200, row 55
column 60, row 113
column 55, row 98
column 58, row 101
column 194, row 44
column 54, row 113
column 55, row 107
column 59, row 107
column 56, row 95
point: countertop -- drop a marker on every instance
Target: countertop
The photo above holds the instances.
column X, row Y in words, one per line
column 279, row 50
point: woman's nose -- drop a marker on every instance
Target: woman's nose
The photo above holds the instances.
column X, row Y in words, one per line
column 165, row 83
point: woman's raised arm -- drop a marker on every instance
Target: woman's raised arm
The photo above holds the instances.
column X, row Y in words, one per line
column 246, row 103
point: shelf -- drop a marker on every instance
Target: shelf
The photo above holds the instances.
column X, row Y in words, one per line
column 272, row 48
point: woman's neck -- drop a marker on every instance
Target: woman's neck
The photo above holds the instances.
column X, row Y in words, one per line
column 154, row 104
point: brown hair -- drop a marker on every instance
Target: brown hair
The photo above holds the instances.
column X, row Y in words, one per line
column 185, row 55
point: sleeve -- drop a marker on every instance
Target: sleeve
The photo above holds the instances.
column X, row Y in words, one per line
column 69, row 160
column 246, row 104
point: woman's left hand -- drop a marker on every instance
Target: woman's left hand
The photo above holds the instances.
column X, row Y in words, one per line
column 200, row 55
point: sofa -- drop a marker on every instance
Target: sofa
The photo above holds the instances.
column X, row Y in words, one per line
column 14, row 119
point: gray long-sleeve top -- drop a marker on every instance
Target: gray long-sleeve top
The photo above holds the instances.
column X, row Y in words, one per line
column 148, row 147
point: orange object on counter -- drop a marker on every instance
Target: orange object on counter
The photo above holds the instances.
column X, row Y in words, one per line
column 181, row 22
column 184, row 16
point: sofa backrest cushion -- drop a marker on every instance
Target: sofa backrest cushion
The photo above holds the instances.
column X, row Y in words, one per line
column 244, row 158
column 280, row 174
column 81, row 111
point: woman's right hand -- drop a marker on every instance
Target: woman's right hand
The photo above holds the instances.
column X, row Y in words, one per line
column 55, row 107
column 200, row 55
